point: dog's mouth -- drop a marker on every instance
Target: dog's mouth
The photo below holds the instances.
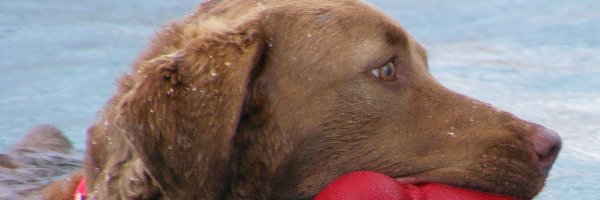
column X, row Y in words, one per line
column 496, row 175
column 434, row 190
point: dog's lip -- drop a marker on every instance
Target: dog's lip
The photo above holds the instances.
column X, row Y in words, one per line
column 411, row 180
column 419, row 181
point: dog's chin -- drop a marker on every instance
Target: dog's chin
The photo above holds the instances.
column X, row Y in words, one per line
column 482, row 191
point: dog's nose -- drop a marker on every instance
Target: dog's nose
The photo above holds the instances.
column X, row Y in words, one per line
column 545, row 144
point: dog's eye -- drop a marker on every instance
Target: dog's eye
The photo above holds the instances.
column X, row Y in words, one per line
column 386, row 72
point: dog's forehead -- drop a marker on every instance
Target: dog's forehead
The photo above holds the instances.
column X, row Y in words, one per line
column 346, row 29
column 348, row 13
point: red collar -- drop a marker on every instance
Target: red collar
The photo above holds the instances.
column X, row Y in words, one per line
column 80, row 191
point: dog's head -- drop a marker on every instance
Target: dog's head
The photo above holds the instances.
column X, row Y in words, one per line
column 277, row 99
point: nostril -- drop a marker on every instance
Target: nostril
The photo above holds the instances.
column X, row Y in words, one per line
column 550, row 155
column 546, row 144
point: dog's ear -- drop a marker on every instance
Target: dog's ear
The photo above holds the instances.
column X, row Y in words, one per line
column 183, row 108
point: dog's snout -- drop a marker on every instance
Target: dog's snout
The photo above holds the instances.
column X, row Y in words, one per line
column 546, row 144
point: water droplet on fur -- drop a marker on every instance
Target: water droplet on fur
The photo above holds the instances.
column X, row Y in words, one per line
column 170, row 147
column 451, row 134
column 188, row 173
column 194, row 89
column 169, row 29
column 213, row 73
column 170, row 91
column 308, row 35
column 151, row 110
column 475, row 104
column 227, row 63
column 471, row 119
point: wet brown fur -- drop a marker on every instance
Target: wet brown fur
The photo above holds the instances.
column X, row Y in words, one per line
column 273, row 99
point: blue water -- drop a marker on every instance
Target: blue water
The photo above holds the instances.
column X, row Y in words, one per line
column 539, row 59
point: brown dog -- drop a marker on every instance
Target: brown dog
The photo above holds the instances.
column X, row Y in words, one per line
column 275, row 99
